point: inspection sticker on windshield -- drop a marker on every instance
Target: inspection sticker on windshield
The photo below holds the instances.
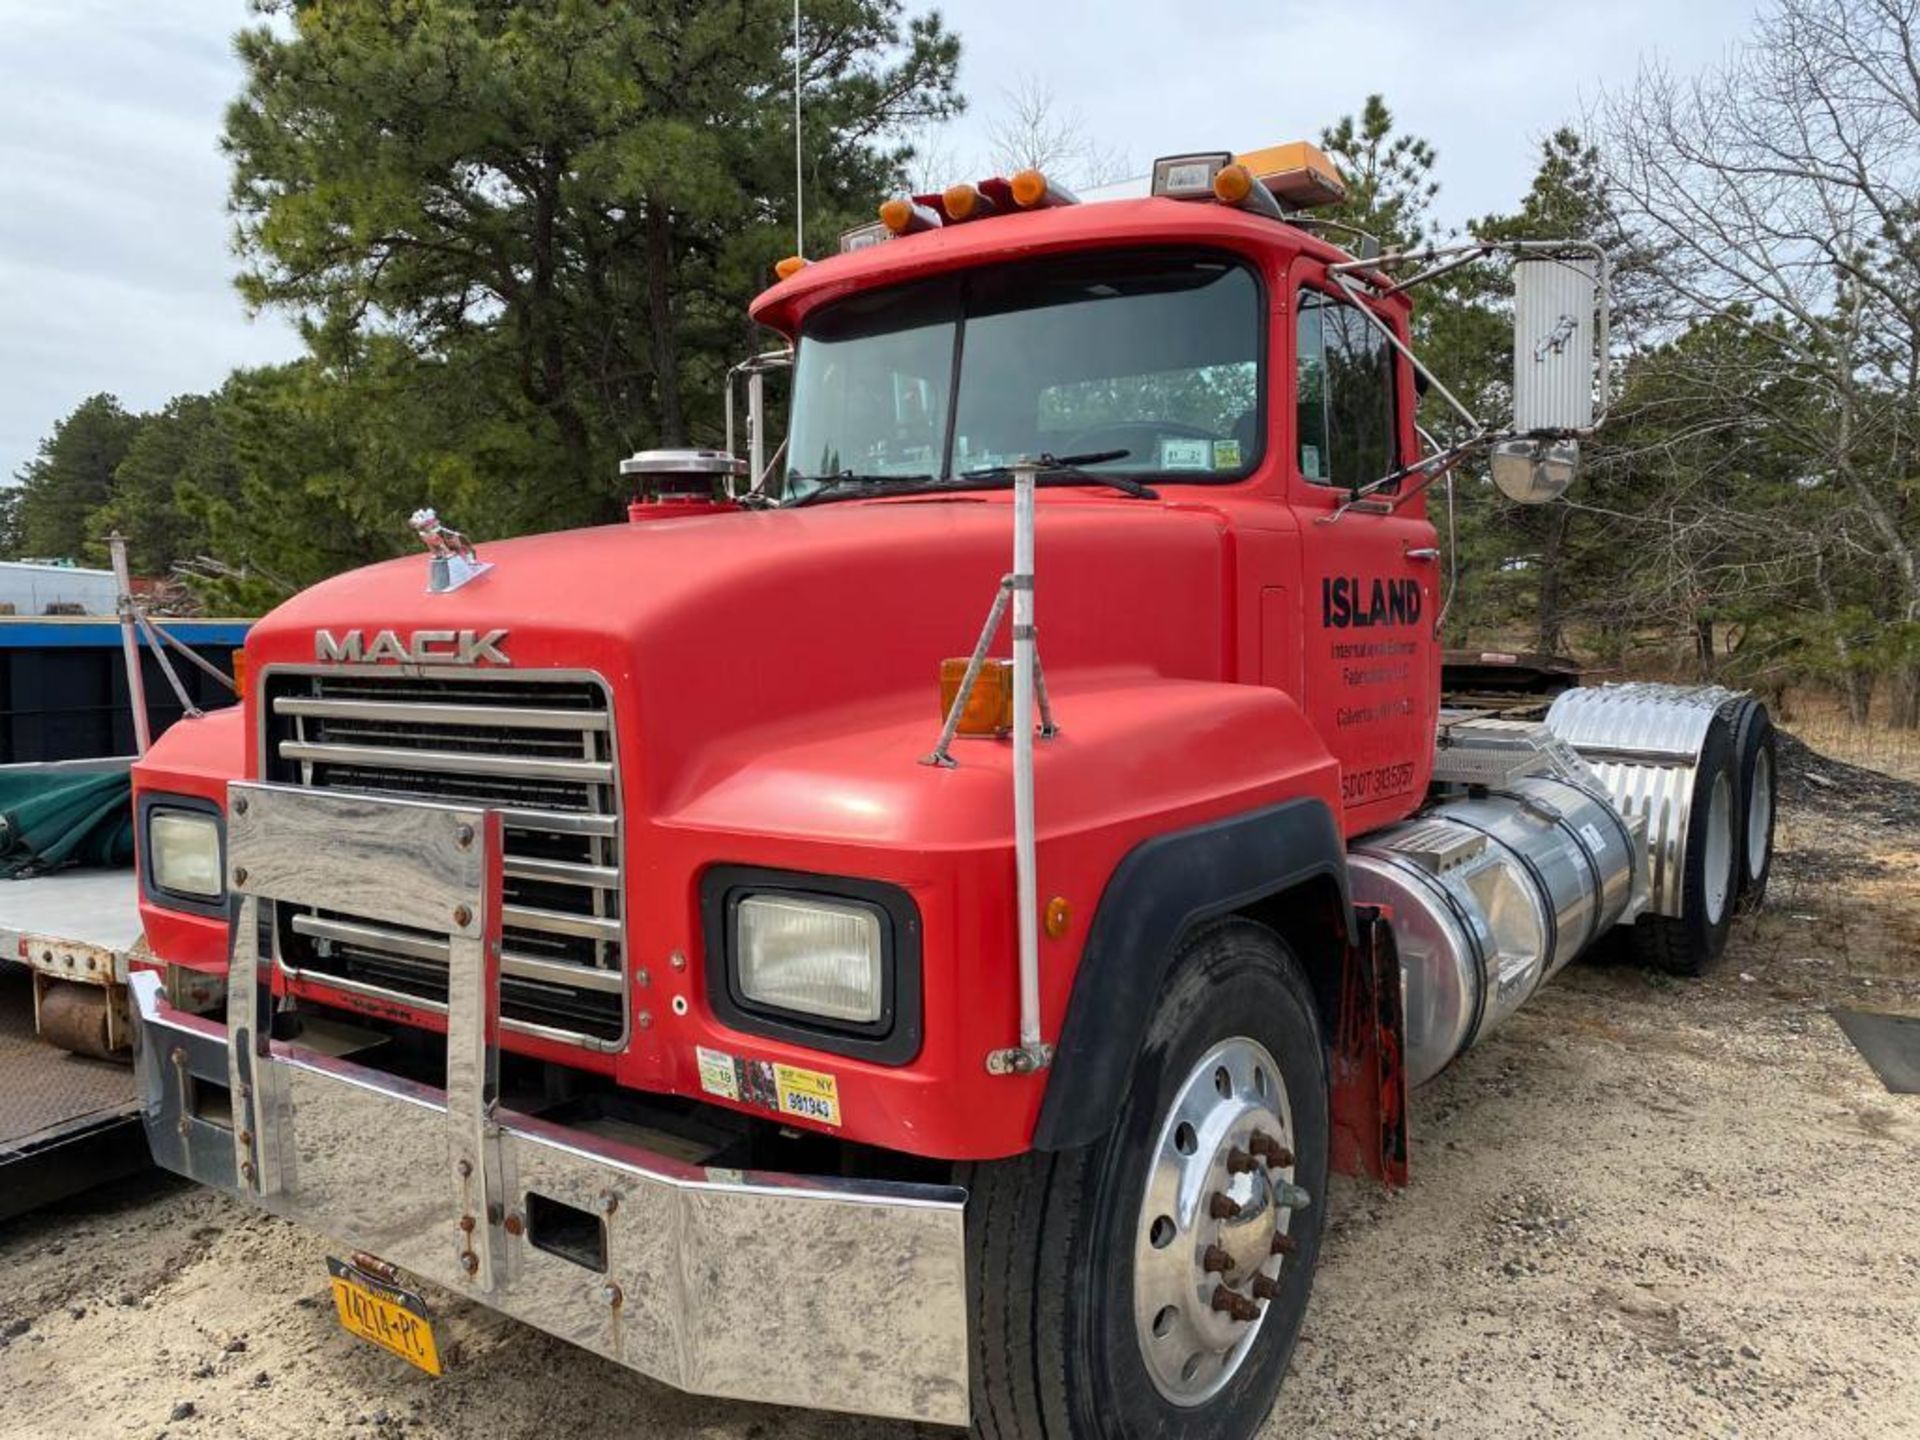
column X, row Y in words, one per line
column 1181, row 454
column 1226, row 454
column 808, row 1094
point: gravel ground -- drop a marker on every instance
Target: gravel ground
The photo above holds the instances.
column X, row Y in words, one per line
column 1645, row 1208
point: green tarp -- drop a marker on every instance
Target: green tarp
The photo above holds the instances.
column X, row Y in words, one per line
column 49, row 820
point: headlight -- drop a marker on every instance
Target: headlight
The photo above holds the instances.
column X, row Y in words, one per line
column 813, row 956
column 183, row 850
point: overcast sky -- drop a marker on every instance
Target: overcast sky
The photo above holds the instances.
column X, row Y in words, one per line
column 115, row 267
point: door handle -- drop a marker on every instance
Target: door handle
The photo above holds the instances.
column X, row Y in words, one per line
column 1424, row 552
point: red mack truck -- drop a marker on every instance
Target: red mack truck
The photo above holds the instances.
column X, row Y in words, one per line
column 912, row 929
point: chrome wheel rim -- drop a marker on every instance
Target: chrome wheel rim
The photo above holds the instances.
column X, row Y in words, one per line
column 1719, row 857
column 1760, row 814
column 1213, row 1228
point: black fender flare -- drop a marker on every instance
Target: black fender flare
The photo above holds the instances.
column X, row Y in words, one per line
column 1161, row 889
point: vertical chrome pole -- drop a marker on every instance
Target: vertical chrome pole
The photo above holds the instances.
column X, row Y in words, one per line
column 731, row 376
column 756, row 424
column 130, row 644
column 1025, row 862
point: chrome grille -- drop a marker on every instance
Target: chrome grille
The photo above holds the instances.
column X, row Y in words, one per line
column 540, row 751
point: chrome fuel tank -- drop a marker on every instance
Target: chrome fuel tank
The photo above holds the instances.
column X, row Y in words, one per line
column 1491, row 893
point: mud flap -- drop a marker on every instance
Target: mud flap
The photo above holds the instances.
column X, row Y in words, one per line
column 1369, row 1078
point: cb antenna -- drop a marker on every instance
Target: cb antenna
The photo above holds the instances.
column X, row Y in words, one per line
column 799, row 194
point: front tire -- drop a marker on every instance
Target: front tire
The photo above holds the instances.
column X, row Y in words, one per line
column 1113, row 1296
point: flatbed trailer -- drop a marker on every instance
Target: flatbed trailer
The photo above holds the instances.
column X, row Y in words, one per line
column 67, row 1122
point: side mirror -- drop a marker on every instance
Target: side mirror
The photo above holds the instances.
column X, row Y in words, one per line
column 1559, row 339
column 1532, row 472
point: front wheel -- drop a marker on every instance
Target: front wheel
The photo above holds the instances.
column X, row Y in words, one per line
column 1154, row 1282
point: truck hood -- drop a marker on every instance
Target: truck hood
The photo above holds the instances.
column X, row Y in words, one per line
column 711, row 629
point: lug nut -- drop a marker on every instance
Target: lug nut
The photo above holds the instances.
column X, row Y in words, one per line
column 462, row 916
column 1239, row 1162
column 1222, row 1207
column 466, row 1223
column 1238, row 1306
column 1264, row 1287
column 1284, row 1245
column 1290, row 1195
column 470, row 1262
column 1216, row 1261
column 463, row 835
column 513, row 1224
column 1271, row 1150
column 610, row 1293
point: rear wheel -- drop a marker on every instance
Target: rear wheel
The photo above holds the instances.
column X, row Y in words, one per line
column 1754, row 758
column 1709, row 868
column 1154, row 1282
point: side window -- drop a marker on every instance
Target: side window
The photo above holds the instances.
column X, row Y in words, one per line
column 1343, row 394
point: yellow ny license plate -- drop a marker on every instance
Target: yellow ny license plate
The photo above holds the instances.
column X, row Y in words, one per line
column 392, row 1318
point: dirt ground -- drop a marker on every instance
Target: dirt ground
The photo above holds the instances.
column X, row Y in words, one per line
column 1647, row 1207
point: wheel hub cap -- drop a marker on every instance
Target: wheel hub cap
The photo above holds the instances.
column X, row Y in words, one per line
column 1212, row 1236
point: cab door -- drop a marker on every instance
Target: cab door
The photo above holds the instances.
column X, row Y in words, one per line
column 1370, row 577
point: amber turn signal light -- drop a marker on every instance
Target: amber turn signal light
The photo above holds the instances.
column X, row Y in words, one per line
column 990, row 707
column 240, row 673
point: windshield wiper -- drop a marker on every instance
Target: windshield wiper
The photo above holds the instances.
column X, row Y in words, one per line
column 848, row 485
column 1065, row 470
column 1049, row 470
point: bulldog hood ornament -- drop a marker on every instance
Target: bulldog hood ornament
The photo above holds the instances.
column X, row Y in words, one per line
column 452, row 561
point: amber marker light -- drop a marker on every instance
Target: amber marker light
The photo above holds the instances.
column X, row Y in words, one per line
column 896, row 215
column 965, row 202
column 1059, row 917
column 1233, row 184
column 990, row 707
column 790, row 266
column 240, row 673
column 1029, row 188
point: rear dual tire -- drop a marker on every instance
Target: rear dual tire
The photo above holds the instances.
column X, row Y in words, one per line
column 1095, row 1313
column 1756, row 761
column 1687, row 944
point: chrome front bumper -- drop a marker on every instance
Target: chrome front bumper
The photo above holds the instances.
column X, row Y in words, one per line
column 792, row 1289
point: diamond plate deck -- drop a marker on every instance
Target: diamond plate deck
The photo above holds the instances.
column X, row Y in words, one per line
column 43, row 1091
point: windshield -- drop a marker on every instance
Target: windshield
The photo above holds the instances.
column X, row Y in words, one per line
column 1154, row 355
